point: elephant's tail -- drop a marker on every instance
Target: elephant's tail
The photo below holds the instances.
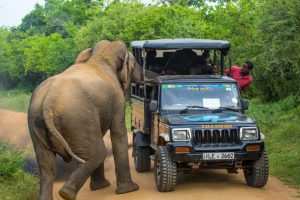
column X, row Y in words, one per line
column 48, row 118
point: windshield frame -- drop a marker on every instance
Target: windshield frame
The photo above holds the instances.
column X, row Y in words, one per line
column 238, row 108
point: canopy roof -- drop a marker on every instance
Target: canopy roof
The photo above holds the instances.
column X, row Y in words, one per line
column 181, row 43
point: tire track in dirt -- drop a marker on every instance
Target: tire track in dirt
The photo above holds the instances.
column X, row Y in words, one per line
column 205, row 184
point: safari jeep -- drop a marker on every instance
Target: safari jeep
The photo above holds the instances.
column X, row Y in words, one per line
column 185, row 121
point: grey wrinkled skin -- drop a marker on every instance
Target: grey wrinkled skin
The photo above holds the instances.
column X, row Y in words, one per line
column 69, row 114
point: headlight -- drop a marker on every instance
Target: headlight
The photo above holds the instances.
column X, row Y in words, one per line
column 181, row 134
column 248, row 133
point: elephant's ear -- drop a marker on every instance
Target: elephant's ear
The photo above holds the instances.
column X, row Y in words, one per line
column 124, row 69
column 84, row 56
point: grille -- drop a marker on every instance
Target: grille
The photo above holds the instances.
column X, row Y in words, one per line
column 216, row 136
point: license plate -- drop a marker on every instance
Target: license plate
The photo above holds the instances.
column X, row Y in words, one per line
column 218, row 156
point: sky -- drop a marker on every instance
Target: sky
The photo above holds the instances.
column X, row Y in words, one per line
column 12, row 11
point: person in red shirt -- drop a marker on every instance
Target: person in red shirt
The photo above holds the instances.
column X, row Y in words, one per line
column 241, row 74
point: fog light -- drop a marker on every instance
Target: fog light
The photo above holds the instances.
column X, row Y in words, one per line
column 253, row 148
column 182, row 149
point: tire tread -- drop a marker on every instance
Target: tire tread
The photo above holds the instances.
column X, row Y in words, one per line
column 259, row 174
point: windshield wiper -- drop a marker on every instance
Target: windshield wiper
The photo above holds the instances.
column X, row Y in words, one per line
column 220, row 109
column 191, row 108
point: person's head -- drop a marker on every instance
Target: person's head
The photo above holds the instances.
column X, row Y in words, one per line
column 215, row 69
column 247, row 66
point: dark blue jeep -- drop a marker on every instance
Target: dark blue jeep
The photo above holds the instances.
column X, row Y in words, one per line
column 185, row 122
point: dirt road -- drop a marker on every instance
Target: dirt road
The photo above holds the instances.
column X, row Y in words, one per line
column 206, row 184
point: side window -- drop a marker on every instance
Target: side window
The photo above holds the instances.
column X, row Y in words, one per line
column 137, row 90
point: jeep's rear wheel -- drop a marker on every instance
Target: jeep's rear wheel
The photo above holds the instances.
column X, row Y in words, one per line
column 165, row 170
column 142, row 161
column 257, row 175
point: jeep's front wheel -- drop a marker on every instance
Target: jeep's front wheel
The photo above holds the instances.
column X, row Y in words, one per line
column 165, row 170
column 142, row 161
column 257, row 175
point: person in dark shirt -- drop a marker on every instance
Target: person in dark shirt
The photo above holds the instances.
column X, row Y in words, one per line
column 241, row 74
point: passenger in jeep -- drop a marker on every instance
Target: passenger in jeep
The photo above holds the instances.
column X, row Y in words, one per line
column 241, row 74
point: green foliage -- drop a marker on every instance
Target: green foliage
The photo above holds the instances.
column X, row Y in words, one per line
column 10, row 161
column 50, row 36
column 48, row 54
column 128, row 115
column 20, row 185
column 14, row 182
column 280, row 123
column 129, row 21
column 35, row 21
column 278, row 71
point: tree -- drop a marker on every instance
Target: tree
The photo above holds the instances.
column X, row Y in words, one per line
column 133, row 21
column 278, row 69
column 35, row 21
column 48, row 54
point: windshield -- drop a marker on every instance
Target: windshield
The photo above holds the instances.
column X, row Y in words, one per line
column 200, row 95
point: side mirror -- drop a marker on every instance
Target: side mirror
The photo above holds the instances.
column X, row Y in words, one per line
column 245, row 104
column 153, row 105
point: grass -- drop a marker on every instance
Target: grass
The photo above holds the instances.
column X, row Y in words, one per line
column 15, row 183
column 17, row 100
column 128, row 115
column 280, row 123
column 21, row 185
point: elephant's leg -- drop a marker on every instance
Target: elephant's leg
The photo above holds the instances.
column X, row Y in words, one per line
column 119, row 141
column 98, row 179
column 46, row 161
column 96, row 155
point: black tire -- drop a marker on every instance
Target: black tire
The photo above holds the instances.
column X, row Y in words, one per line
column 165, row 170
column 257, row 175
column 142, row 161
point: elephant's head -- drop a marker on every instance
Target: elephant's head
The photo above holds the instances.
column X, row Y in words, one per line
column 120, row 60
column 116, row 55
column 131, row 71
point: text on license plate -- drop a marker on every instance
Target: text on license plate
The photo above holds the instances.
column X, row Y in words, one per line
column 218, row 156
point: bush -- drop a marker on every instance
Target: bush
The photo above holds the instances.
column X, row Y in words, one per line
column 15, row 183
column 10, row 161
column 21, row 185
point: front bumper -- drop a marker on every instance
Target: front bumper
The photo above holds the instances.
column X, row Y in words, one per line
column 196, row 152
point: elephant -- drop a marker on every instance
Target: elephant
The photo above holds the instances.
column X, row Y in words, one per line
column 70, row 112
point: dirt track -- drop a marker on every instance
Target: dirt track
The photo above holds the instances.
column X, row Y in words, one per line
column 206, row 184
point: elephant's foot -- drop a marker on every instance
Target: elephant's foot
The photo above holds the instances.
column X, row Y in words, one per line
column 67, row 194
column 126, row 187
column 96, row 185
